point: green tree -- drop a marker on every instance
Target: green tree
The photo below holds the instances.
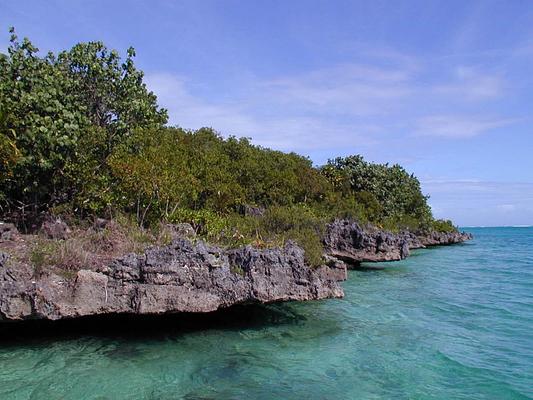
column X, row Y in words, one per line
column 388, row 193
column 9, row 152
column 50, row 102
column 80, row 131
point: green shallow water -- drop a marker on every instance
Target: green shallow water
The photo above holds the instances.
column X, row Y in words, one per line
column 447, row 323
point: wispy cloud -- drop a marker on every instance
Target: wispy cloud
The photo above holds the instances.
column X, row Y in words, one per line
column 506, row 207
column 242, row 117
column 347, row 89
column 472, row 84
column 350, row 104
column 457, row 127
column 189, row 111
column 501, row 203
column 476, row 185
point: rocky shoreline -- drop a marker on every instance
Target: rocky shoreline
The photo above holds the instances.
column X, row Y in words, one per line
column 192, row 276
column 352, row 243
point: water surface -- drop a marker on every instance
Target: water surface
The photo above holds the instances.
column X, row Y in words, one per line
column 448, row 323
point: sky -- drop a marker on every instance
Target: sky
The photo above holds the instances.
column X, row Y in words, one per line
column 442, row 87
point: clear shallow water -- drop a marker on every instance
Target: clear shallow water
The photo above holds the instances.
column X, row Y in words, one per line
column 447, row 323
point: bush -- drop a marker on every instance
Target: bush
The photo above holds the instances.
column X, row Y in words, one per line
column 88, row 248
column 81, row 134
column 441, row 225
column 385, row 192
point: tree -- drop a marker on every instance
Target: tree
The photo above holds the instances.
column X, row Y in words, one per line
column 49, row 103
column 397, row 192
column 9, row 152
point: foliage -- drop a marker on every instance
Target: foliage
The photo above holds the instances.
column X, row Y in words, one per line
column 279, row 224
column 88, row 247
column 81, row 134
column 299, row 223
column 236, row 269
column 165, row 170
column 49, row 103
column 388, row 193
column 441, row 225
column 9, row 152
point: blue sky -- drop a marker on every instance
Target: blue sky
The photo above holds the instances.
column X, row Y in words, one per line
column 442, row 87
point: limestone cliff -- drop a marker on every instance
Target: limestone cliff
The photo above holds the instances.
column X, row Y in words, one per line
column 181, row 277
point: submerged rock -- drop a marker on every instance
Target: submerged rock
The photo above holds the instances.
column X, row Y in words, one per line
column 181, row 277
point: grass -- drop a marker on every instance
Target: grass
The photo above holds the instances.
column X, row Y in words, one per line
column 88, row 248
column 273, row 229
column 237, row 270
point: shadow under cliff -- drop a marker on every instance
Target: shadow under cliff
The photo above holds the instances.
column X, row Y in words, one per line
column 162, row 326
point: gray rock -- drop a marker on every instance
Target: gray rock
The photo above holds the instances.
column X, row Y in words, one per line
column 3, row 258
column 55, row 229
column 413, row 241
column 181, row 277
column 404, row 250
column 182, row 230
column 100, row 224
column 444, row 238
column 348, row 241
column 8, row 231
column 252, row 211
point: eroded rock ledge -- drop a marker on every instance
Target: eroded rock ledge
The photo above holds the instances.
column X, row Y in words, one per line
column 351, row 242
column 192, row 276
column 181, row 277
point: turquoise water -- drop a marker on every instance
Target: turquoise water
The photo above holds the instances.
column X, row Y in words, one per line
column 448, row 323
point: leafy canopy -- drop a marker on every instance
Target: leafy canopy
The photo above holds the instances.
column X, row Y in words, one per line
column 48, row 103
column 391, row 191
column 81, row 133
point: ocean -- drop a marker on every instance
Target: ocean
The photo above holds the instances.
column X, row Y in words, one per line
column 451, row 322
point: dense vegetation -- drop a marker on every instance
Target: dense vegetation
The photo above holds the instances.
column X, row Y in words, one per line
column 81, row 135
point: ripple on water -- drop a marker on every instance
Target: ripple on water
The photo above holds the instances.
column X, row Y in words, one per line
column 447, row 323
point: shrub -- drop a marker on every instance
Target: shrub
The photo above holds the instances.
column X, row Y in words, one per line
column 89, row 248
column 385, row 192
column 81, row 134
column 441, row 225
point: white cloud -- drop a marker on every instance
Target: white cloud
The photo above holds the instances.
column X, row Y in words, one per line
column 189, row 111
column 346, row 89
column 472, row 84
column 343, row 106
column 283, row 131
column 506, row 207
column 476, row 202
column 348, row 108
column 452, row 126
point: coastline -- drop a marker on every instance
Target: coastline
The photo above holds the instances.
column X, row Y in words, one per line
column 393, row 324
column 192, row 276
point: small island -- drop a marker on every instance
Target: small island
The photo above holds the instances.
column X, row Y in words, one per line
column 108, row 210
